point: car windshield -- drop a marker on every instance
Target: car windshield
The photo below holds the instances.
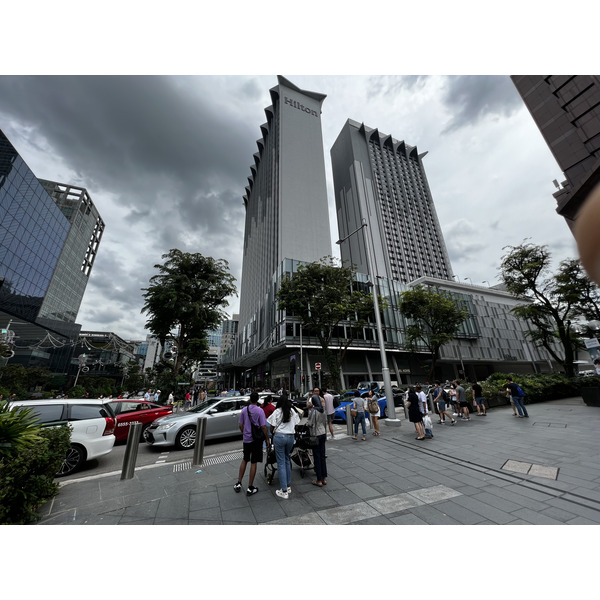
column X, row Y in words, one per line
column 204, row 405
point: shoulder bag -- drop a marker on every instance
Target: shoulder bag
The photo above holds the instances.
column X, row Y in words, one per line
column 257, row 432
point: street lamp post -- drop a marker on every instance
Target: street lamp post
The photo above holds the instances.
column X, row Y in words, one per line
column 387, row 382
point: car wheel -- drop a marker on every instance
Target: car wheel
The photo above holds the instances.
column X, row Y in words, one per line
column 186, row 438
column 73, row 460
column 385, row 412
column 143, row 434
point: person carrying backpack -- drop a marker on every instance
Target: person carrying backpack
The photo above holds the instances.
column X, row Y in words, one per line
column 517, row 395
column 440, row 397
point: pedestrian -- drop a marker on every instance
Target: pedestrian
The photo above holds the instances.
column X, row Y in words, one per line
column 453, row 401
column 330, row 411
column 439, row 397
column 252, row 449
column 359, row 405
column 422, row 400
column 317, row 422
column 373, row 408
column 202, row 396
column 268, row 406
column 188, row 402
column 147, row 395
column 156, row 396
column 478, row 399
column 283, row 423
column 196, row 394
column 461, row 399
column 517, row 396
column 414, row 412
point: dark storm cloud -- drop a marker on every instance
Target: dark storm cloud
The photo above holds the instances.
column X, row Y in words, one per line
column 137, row 137
column 470, row 98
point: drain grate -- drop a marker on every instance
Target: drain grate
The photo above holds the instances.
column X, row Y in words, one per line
column 210, row 460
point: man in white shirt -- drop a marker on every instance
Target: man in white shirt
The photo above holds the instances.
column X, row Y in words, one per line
column 329, row 410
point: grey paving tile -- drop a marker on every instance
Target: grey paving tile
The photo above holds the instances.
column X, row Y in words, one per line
column 142, row 510
column 174, row 507
column 347, row 514
column 201, row 500
column 458, row 512
column 168, row 521
column 360, row 490
column 432, row 515
column 394, row 504
column 536, row 518
column 434, row 494
column 208, row 515
column 238, row 516
column 488, row 512
column 406, row 519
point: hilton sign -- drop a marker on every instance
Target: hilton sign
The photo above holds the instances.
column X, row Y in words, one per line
column 301, row 107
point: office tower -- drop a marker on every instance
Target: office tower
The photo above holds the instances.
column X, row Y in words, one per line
column 45, row 253
column 566, row 109
column 382, row 180
column 286, row 205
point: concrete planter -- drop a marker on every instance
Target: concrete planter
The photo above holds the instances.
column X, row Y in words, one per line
column 591, row 396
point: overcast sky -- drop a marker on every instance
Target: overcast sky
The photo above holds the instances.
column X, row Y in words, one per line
column 166, row 159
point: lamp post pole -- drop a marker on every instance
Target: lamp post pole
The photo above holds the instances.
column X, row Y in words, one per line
column 387, row 382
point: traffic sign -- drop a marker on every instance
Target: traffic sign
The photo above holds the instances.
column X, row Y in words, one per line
column 317, row 366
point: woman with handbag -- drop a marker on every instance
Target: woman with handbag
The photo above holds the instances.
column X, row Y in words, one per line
column 414, row 413
column 283, row 421
column 373, row 407
column 317, row 421
column 359, row 407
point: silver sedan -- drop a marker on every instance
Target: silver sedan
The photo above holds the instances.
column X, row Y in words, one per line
column 179, row 429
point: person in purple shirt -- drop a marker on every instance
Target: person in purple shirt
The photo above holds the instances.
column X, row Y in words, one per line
column 253, row 450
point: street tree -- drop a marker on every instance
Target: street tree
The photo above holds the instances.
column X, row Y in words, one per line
column 323, row 295
column 434, row 317
column 187, row 296
column 554, row 302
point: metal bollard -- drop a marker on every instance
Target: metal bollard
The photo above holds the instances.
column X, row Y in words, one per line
column 348, row 419
column 199, row 445
column 133, row 443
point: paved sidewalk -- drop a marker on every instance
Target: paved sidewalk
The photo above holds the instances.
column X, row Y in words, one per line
column 491, row 470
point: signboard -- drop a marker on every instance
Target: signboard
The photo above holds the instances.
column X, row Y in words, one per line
column 592, row 343
column 317, row 366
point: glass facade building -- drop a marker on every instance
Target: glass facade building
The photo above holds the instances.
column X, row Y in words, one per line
column 49, row 235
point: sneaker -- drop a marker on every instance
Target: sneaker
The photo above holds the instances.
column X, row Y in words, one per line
column 455, row 414
column 238, row 487
column 251, row 491
column 280, row 493
column 440, row 422
column 526, row 416
column 453, row 422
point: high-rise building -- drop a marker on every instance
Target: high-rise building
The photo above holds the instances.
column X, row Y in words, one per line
column 566, row 109
column 286, row 207
column 47, row 246
column 382, row 180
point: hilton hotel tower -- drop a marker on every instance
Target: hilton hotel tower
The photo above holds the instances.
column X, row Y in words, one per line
column 286, row 210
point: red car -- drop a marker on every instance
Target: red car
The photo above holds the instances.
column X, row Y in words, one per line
column 136, row 411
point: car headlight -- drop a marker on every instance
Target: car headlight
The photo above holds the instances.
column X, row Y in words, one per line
column 165, row 426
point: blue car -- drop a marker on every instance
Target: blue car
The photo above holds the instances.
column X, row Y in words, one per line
column 348, row 398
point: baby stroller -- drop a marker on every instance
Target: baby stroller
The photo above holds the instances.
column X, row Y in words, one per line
column 270, row 464
column 301, row 453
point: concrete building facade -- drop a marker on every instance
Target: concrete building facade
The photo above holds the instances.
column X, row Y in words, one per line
column 566, row 109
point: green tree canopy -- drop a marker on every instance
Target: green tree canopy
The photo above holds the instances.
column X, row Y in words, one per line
column 554, row 301
column 188, row 296
column 322, row 295
column 435, row 317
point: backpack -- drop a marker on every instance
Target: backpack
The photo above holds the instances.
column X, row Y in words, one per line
column 257, row 432
column 445, row 397
column 373, row 406
column 520, row 392
column 336, row 403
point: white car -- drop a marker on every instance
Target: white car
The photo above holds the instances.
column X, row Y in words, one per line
column 92, row 424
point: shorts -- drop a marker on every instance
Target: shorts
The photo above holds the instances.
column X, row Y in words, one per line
column 441, row 405
column 479, row 401
column 253, row 452
column 330, row 418
column 464, row 404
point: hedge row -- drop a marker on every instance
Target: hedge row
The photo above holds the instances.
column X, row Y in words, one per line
column 27, row 478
